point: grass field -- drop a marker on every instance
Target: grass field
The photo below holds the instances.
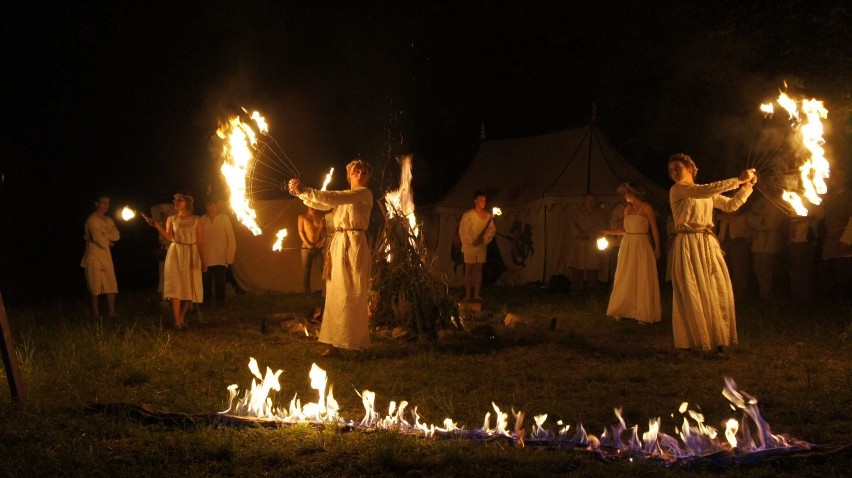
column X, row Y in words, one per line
column 796, row 361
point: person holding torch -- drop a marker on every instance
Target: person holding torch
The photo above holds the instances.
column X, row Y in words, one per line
column 345, row 322
column 476, row 230
column 185, row 259
column 702, row 296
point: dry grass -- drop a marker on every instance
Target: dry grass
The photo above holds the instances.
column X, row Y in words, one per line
column 797, row 362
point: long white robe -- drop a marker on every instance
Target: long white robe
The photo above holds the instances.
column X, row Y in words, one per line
column 99, row 233
column 636, row 288
column 182, row 271
column 703, row 312
column 345, row 321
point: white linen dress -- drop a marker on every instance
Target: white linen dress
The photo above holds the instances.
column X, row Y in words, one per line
column 182, row 271
column 345, row 322
column 636, row 288
column 703, row 312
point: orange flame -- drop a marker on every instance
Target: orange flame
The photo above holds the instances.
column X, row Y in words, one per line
column 806, row 119
column 401, row 201
column 280, row 235
column 240, row 138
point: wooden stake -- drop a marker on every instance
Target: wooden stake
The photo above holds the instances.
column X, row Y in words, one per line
column 13, row 375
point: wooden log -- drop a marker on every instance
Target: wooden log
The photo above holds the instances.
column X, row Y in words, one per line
column 155, row 417
column 10, row 362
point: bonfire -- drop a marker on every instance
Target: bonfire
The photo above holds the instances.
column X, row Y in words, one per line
column 405, row 291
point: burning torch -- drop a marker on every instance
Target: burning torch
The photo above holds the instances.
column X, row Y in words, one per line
column 127, row 214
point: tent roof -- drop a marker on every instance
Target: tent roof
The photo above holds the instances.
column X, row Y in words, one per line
column 562, row 166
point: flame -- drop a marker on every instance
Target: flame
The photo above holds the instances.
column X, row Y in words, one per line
column 240, row 138
column 731, row 427
column 401, row 201
column 327, row 179
column 496, row 211
column 127, row 213
column 767, row 109
column 280, row 235
column 806, row 118
column 602, row 243
column 696, row 438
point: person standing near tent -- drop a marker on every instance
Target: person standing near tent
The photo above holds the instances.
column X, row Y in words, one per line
column 312, row 232
column 703, row 313
column 185, row 259
column 100, row 234
column 220, row 246
column 636, row 288
column 584, row 258
column 476, row 230
column 345, row 321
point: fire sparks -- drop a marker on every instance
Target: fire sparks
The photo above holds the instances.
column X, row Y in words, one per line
column 806, row 119
column 696, row 439
column 127, row 213
column 327, row 179
column 239, row 139
column 279, row 240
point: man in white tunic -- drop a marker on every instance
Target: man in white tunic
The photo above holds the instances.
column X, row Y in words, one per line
column 703, row 312
column 476, row 230
column 347, row 264
column 100, row 233
column 221, row 246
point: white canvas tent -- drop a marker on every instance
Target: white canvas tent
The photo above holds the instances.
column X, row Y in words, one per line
column 538, row 182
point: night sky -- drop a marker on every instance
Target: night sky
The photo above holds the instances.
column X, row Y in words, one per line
column 125, row 98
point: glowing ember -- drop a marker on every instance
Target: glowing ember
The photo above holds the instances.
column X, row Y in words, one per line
column 806, row 118
column 280, row 235
column 127, row 213
column 602, row 243
column 239, row 139
column 327, row 179
column 696, row 439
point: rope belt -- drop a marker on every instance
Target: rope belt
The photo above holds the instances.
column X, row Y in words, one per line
column 326, row 268
column 708, row 232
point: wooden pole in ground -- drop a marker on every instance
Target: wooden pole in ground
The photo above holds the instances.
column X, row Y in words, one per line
column 13, row 375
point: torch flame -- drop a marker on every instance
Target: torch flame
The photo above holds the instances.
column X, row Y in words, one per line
column 602, row 243
column 127, row 213
column 280, row 235
column 496, row 211
column 327, row 179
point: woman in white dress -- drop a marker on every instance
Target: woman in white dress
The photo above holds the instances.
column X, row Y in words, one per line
column 185, row 259
column 636, row 288
column 702, row 296
column 345, row 323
